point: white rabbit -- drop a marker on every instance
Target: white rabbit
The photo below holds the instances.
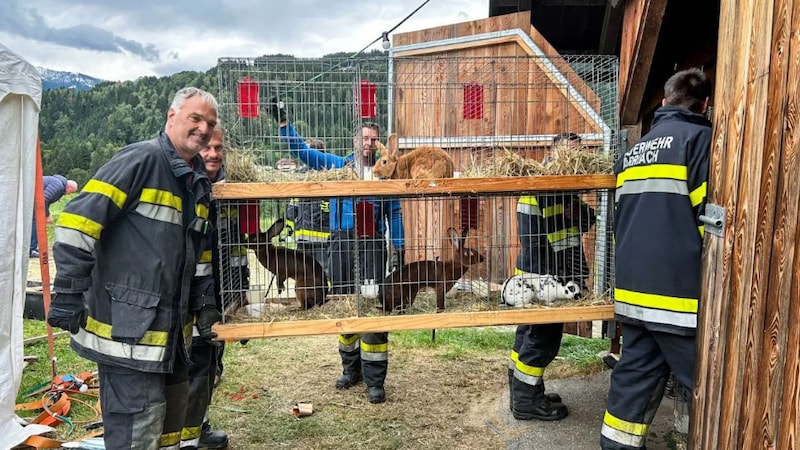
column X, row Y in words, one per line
column 523, row 289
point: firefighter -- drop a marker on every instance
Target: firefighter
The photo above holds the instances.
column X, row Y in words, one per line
column 549, row 228
column 661, row 193
column 130, row 279
column 309, row 219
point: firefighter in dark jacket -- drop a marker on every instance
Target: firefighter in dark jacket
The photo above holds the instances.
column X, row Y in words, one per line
column 310, row 220
column 364, row 356
column 661, row 192
column 129, row 280
column 550, row 226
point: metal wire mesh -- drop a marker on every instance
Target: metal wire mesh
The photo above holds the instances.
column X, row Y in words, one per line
column 473, row 107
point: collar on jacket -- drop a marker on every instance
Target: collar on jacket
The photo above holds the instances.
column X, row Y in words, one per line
column 670, row 112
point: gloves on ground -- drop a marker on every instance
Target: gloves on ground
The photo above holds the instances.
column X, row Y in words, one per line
column 68, row 312
column 205, row 318
column 276, row 108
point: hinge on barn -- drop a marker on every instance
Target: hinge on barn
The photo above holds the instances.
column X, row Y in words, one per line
column 714, row 219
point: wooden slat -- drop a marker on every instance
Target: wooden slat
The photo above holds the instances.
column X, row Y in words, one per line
column 411, row 322
column 439, row 187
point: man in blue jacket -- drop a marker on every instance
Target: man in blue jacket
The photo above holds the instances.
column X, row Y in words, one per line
column 55, row 187
column 364, row 356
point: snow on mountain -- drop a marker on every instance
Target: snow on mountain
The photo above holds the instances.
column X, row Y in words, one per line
column 52, row 79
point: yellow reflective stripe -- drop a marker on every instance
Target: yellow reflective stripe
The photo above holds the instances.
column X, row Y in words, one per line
column 160, row 213
column 239, row 250
column 169, row 439
column 103, row 330
column 83, row 224
column 205, row 257
column 698, row 195
column 161, row 197
column 637, row 429
column 74, row 238
column 514, row 358
column 190, row 433
column 562, row 234
column 673, row 171
column 677, row 304
column 119, row 349
column 518, row 271
column 702, row 230
column 528, row 200
column 374, row 348
column 529, row 370
column 201, row 211
column 188, row 327
column 554, row 210
column 230, row 213
column 312, row 234
column 349, row 340
column 115, row 194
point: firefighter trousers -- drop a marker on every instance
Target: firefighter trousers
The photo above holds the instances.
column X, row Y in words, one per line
column 638, row 382
column 535, row 347
column 201, row 384
column 367, row 354
column 341, row 263
column 143, row 410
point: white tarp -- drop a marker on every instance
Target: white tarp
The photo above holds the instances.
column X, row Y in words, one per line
column 20, row 100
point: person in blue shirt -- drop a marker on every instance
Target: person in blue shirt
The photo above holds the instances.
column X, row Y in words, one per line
column 364, row 356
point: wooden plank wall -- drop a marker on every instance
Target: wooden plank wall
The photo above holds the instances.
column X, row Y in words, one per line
column 746, row 390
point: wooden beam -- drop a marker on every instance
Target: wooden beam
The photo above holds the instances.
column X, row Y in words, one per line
column 411, row 322
column 636, row 56
column 405, row 188
column 612, row 26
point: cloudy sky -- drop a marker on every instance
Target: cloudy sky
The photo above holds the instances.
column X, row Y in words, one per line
column 123, row 39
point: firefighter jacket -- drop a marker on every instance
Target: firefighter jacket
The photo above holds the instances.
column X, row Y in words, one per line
column 310, row 219
column 661, row 192
column 343, row 210
column 551, row 240
column 131, row 242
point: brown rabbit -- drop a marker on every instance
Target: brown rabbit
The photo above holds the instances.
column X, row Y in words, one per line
column 311, row 284
column 424, row 162
column 398, row 289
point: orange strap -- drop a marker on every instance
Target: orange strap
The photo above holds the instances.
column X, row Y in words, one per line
column 41, row 442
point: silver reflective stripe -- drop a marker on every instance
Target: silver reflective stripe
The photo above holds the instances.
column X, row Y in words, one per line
column 238, row 261
column 204, row 269
column 531, row 210
column 74, row 238
column 372, row 356
column 512, row 364
column 172, row 447
column 621, row 437
column 527, row 379
column 686, row 320
column 160, row 213
column 350, row 347
column 195, row 331
column 563, row 244
column 665, row 185
column 194, row 443
column 118, row 349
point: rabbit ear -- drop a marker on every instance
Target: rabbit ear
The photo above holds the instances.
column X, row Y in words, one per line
column 393, row 144
column 382, row 149
column 454, row 237
column 275, row 228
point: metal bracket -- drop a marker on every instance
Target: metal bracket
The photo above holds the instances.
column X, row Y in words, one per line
column 714, row 219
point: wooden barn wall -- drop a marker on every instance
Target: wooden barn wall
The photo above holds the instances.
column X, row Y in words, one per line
column 520, row 20
column 746, row 390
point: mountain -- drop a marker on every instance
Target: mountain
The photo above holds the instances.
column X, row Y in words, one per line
column 53, row 79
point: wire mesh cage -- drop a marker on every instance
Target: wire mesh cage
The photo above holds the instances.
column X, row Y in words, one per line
column 328, row 252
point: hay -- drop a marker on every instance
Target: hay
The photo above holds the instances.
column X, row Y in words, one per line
column 565, row 160
column 241, row 167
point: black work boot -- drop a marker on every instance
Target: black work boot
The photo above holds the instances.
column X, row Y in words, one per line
column 212, row 439
column 552, row 396
column 376, row 394
column 530, row 402
column 347, row 380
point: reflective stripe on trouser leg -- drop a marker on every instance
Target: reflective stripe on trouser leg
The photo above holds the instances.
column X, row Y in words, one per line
column 176, row 392
column 637, row 385
column 350, row 353
column 133, row 406
column 374, row 358
column 539, row 347
column 200, row 385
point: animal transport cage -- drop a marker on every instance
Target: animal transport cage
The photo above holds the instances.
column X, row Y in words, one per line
column 496, row 117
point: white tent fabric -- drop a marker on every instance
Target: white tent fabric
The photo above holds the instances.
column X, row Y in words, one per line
column 20, row 100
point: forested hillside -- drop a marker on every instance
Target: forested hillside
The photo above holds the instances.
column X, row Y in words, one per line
column 81, row 130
